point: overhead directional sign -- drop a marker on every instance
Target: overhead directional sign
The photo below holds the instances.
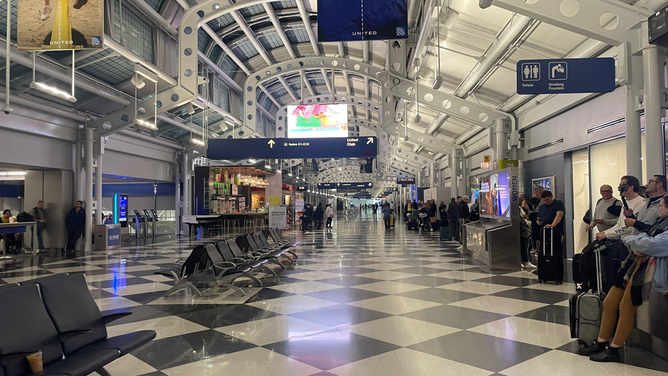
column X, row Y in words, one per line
column 293, row 148
column 345, row 185
column 565, row 76
column 406, row 181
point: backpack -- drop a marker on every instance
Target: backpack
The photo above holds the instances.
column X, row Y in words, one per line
column 24, row 217
column 614, row 209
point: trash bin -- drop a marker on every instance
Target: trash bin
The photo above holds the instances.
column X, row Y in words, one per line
column 107, row 237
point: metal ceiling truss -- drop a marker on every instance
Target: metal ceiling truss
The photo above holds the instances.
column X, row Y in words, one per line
column 610, row 21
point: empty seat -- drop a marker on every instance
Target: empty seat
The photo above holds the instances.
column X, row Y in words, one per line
column 72, row 308
column 26, row 328
column 225, row 273
column 255, row 263
column 237, row 252
column 184, row 273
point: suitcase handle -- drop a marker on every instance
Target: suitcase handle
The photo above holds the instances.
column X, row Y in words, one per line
column 599, row 276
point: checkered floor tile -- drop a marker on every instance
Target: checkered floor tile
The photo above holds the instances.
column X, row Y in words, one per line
column 360, row 301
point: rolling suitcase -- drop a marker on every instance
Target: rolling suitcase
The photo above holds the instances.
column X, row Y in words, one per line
column 585, row 309
column 445, row 233
column 550, row 261
column 391, row 220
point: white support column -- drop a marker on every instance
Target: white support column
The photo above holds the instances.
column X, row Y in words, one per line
column 653, row 125
column 454, row 172
column 186, row 191
column 78, row 174
column 501, row 131
column 633, row 133
column 177, row 198
column 432, row 175
column 98, row 191
column 88, row 235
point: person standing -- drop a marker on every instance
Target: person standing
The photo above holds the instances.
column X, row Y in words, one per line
column 525, row 234
column 10, row 239
column 329, row 213
column 551, row 215
column 318, row 216
column 387, row 214
column 463, row 211
column 38, row 213
column 75, row 222
column 453, row 218
column 602, row 219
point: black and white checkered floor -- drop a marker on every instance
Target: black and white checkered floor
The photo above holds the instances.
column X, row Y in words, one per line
column 362, row 301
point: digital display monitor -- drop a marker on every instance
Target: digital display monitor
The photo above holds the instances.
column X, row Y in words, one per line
column 318, row 121
column 120, row 208
column 494, row 196
column 546, row 182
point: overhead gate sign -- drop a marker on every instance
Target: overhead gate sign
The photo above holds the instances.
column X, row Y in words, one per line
column 60, row 24
column 355, row 20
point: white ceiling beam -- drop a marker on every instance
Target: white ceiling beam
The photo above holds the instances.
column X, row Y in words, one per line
column 279, row 29
column 241, row 21
column 306, row 19
column 288, row 88
column 341, row 50
column 271, row 97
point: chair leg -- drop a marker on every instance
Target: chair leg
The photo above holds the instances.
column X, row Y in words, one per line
column 102, row 372
column 275, row 261
column 252, row 278
column 237, row 290
column 177, row 286
column 270, row 270
column 292, row 253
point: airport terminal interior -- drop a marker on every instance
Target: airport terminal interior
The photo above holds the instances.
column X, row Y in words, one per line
column 333, row 187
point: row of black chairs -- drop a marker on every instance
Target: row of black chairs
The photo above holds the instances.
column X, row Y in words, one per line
column 58, row 316
column 213, row 266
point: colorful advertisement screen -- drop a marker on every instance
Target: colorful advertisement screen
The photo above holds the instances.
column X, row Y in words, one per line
column 494, row 197
column 60, row 24
column 318, row 121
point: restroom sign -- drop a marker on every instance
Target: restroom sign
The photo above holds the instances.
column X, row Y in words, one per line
column 566, row 76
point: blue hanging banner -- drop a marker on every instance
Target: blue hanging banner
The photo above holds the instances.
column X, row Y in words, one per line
column 293, row 148
column 566, row 76
column 356, row 20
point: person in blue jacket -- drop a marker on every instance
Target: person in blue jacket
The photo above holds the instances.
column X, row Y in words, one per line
column 644, row 270
column 75, row 223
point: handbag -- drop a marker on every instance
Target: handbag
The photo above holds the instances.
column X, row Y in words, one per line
column 432, row 219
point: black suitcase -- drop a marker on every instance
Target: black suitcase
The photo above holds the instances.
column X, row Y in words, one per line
column 550, row 261
column 577, row 276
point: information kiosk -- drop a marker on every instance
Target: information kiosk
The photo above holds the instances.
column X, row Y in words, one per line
column 140, row 225
column 494, row 240
column 150, row 224
column 121, row 215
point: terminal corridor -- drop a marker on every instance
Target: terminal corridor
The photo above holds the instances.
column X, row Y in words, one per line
column 361, row 301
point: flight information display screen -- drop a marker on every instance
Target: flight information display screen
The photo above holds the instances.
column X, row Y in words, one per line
column 318, row 121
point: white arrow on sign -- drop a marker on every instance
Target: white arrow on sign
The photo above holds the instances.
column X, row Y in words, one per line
column 369, row 140
column 271, row 144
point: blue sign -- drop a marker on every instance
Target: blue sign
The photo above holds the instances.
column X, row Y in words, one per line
column 113, row 237
column 356, row 20
column 566, row 76
column 293, row 148
column 345, row 185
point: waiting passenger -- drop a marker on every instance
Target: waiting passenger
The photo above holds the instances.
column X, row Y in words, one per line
column 431, row 213
column 525, row 234
column 464, row 211
column 602, row 217
column 453, row 219
column 551, row 213
column 387, row 214
column 329, row 213
column 644, row 270
column 643, row 221
column 318, row 216
column 628, row 188
column 10, row 239
column 75, row 223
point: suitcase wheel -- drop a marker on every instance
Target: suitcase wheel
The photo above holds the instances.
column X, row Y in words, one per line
column 560, row 282
column 582, row 344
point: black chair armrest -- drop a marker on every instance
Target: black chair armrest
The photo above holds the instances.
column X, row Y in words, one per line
column 64, row 336
column 21, row 354
column 115, row 316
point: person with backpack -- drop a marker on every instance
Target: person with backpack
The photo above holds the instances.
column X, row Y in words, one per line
column 38, row 214
column 329, row 213
column 606, row 211
column 75, row 223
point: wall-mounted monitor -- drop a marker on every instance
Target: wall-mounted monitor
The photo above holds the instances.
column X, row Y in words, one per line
column 546, row 182
column 318, row 121
column 494, row 199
